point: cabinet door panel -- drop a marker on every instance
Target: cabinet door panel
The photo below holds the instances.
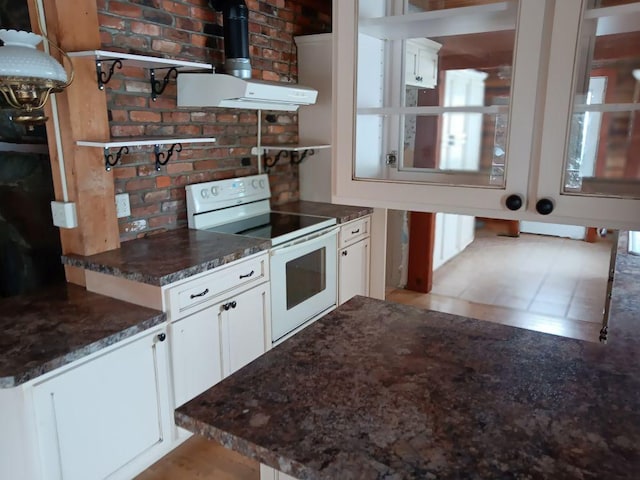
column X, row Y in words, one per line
column 244, row 328
column 590, row 154
column 196, row 355
column 354, row 271
column 99, row 416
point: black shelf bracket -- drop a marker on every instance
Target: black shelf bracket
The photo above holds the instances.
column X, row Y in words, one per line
column 296, row 157
column 110, row 160
column 162, row 158
column 105, row 77
column 158, row 86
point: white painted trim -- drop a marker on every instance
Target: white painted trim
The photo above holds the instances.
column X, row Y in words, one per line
column 142, row 141
column 141, row 60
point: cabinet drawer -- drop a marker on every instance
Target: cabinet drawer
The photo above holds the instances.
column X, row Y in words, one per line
column 203, row 291
column 354, row 231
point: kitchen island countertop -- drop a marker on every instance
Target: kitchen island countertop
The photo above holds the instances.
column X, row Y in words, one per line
column 377, row 390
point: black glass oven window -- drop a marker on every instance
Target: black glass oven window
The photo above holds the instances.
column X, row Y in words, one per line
column 305, row 277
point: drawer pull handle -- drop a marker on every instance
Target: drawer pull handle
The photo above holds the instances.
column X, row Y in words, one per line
column 345, row 253
column 247, row 275
column 353, row 232
column 201, row 294
column 229, row 305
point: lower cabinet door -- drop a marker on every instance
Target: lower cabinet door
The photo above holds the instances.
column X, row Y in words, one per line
column 244, row 328
column 96, row 418
column 353, row 271
column 196, row 355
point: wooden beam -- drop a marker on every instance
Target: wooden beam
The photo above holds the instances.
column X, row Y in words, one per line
column 421, row 243
column 82, row 114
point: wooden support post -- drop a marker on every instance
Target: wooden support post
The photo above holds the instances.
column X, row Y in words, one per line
column 82, row 114
column 421, row 243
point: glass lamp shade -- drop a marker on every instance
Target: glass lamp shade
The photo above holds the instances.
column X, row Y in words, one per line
column 20, row 58
column 27, row 75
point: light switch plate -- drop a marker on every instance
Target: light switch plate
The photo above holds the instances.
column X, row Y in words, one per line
column 123, row 209
column 64, row 214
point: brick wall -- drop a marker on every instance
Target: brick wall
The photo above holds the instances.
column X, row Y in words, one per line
column 191, row 30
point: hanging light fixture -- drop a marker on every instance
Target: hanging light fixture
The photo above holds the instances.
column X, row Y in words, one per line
column 28, row 76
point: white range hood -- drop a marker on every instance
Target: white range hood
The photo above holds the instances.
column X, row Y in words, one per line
column 221, row 90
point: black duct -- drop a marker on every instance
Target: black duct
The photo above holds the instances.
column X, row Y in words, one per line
column 235, row 17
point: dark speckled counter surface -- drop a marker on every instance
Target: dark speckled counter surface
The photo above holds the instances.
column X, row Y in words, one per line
column 377, row 390
column 171, row 256
column 52, row 328
column 342, row 213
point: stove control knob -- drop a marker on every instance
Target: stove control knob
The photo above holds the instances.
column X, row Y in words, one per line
column 204, row 193
column 214, row 191
column 254, row 184
column 261, row 183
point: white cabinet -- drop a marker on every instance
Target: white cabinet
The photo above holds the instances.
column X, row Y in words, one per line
column 354, row 259
column 537, row 118
column 244, row 327
column 219, row 322
column 196, row 360
column 421, row 63
column 96, row 419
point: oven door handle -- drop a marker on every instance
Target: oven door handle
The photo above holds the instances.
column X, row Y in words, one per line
column 303, row 242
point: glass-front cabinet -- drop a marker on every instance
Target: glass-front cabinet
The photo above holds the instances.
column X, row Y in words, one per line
column 520, row 109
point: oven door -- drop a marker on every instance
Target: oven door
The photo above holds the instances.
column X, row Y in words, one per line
column 303, row 281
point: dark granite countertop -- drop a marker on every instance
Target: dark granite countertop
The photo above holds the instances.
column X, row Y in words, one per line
column 52, row 328
column 342, row 213
column 377, row 390
column 178, row 254
column 170, row 256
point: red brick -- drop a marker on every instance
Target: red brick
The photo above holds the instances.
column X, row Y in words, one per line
column 145, row 210
column 129, row 100
column 105, row 38
column 140, row 184
column 145, row 116
column 119, row 115
column 124, row 172
column 137, row 87
column 176, row 117
column 127, row 130
column 155, row 196
column 132, row 42
column 163, row 181
column 188, row 24
column 177, row 8
column 206, row 14
column 146, row 170
column 162, row 221
column 206, row 165
column 179, row 167
column 227, row 118
column 189, row 130
column 176, row 35
column 145, row 28
column 124, row 9
column 109, row 21
column 199, row 40
column 165, row 46
column 270, row 76
column 159, row 130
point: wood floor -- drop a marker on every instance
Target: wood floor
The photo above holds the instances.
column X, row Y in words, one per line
column 201, row 459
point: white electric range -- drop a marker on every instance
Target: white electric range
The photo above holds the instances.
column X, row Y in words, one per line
column 303, row 257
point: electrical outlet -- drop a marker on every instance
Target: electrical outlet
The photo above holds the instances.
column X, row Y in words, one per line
column 64, row 214
column 123, row 209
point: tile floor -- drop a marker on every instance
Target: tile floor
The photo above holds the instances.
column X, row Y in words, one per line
column 550, row 284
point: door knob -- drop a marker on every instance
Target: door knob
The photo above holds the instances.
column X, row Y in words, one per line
column 513, row 202
column 544, row 206
column 162, row 337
